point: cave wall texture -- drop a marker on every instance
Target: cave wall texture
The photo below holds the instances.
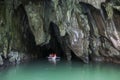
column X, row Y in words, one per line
column 88, row 28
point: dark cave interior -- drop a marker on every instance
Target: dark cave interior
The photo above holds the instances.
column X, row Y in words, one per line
column 27, row 38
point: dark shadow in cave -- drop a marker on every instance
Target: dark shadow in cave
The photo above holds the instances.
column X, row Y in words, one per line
column 116, row 19
column 28, row 39
column 55, row 45
column 56, row 40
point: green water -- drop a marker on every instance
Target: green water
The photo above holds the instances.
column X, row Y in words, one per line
column 44, row 70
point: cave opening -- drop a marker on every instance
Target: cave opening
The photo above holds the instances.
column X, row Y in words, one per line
column 54, row 46
column 56, row 42
column 28, row 38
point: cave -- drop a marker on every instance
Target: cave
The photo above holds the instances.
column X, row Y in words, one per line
column 84, row 34
column 41, row 51
column 56, row 42
column 73, row 30
column 28, row 39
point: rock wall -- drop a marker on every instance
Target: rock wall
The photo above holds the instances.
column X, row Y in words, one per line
column 88, row 28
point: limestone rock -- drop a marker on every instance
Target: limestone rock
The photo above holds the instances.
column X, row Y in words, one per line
column 14, row 57
column 95, row 3
column 92, row 30
column 1, row 60
column 35, row 17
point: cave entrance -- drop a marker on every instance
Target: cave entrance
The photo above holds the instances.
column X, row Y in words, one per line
column 56, row 40
column 55, row 44
column 28, row 39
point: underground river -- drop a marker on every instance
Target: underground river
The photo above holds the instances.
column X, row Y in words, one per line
column 61, row 70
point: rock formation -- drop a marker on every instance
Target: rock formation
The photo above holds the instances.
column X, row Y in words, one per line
column 88, row 28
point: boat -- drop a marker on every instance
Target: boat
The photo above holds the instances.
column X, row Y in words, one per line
column 53, row 57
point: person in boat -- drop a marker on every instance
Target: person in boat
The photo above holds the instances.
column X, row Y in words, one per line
column 52, row 56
